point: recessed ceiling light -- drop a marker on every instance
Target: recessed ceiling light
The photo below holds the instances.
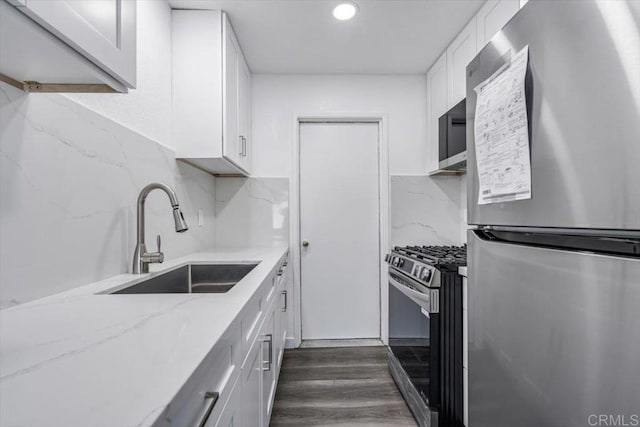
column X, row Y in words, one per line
column 345, row 10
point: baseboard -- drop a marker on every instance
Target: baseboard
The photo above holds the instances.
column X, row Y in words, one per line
column 360, row 342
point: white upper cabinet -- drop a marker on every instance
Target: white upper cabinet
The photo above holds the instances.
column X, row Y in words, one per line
column 244, row 112
column 447, row 80
column 211, row 93
column 233, row 147
column 493, row 16
column 437, row 105
column 103, row 30
column 459, row 54
column 72, row 42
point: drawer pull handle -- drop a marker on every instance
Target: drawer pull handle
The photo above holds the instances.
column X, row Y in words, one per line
column 213, row 396
column 284, row 294
column 266, row 364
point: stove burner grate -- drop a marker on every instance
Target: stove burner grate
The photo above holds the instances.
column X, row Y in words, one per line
column 436, row 255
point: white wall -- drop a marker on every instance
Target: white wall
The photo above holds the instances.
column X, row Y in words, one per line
column 146, row 109
column 277, row 97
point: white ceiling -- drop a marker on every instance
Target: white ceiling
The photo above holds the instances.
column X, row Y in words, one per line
column 302, row 36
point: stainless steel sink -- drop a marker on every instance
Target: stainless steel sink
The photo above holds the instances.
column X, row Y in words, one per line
column 192, row 279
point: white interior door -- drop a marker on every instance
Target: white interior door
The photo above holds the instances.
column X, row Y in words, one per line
column 339, row 218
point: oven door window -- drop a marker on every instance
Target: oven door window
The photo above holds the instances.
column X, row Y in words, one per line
column 410, row 336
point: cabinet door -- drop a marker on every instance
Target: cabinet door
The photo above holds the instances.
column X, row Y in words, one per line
column 232, row 412
column 277, row 335
column 459, row 54
column 232, row 147
column 492, row 17
column 244, row 111
column 436, row 106
column 104, row 31
column 252, row 386
column 282, row 312
column 268, row 371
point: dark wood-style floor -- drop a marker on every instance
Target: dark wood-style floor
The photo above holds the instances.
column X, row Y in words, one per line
column 348, row 386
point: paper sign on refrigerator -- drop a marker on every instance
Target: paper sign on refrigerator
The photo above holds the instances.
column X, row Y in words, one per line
column 501, row 134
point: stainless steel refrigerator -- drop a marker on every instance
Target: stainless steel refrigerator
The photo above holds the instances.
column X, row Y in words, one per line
column 554, row 281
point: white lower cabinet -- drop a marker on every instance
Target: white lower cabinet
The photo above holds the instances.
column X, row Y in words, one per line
column 268, row 367
column 251, row 386
column 232, row 411
column 282, row 312
column 200, row 401
column 242, row 368
column 261, row 368
column 259, row 376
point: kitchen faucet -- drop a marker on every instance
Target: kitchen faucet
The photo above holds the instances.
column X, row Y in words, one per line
column 142, row 258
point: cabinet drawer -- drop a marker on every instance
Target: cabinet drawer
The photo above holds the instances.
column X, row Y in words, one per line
column 217, row 373
column 270, row 288
column 282, row 278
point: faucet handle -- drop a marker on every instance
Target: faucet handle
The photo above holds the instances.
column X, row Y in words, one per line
column 154, row 257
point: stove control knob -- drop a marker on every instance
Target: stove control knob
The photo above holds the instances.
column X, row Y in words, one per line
column 425, row 275
column 400, row 262
column 394, row 261
column 417, row 270
column 386, row 258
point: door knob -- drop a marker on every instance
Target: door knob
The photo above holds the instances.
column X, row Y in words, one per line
column 305, row 243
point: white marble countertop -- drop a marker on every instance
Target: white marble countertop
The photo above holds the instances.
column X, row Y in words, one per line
column 462, row 271
column 80, row 358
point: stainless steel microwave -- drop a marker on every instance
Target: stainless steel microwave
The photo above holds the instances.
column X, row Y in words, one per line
column 452, row 138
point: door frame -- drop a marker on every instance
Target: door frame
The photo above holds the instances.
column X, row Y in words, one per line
column 383, row 208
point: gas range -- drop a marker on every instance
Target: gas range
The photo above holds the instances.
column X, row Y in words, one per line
column 425, row 330
column 424, row 263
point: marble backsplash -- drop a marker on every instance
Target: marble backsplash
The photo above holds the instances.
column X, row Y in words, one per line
column 252, row 212
column 255, row 211
column 425, row 210
column 69, row 180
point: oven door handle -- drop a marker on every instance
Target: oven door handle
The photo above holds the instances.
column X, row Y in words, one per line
column 429, row 301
